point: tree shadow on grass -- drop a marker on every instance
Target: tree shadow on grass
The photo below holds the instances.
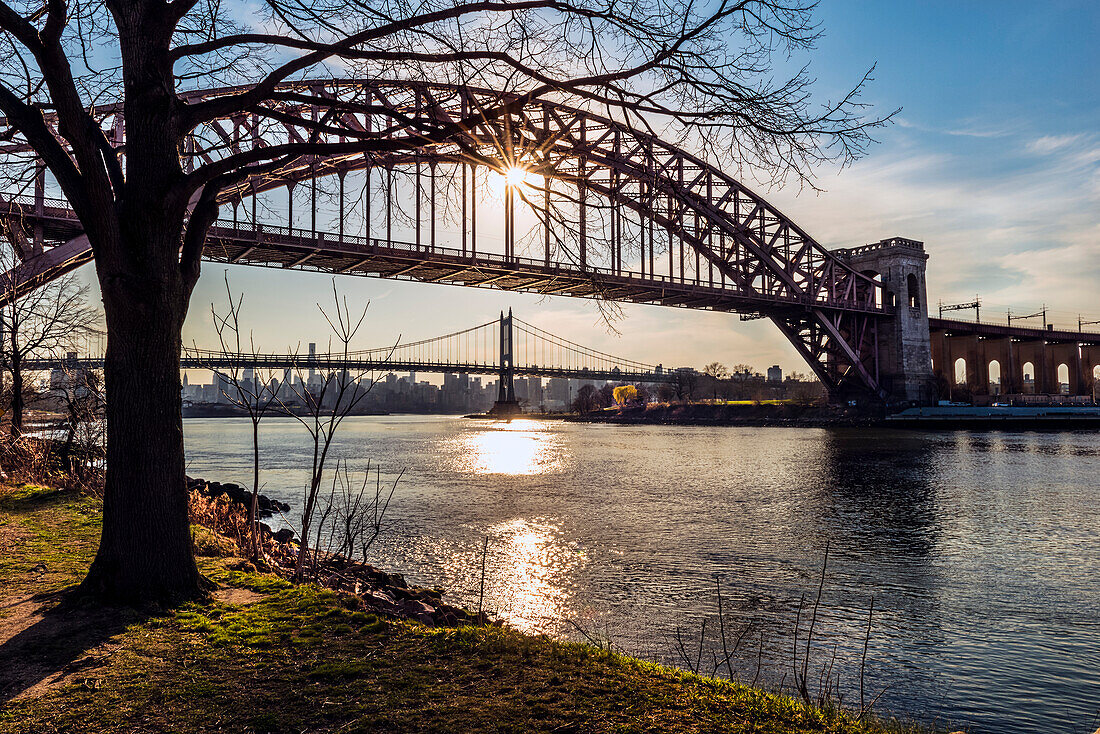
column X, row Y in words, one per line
column 55, row 638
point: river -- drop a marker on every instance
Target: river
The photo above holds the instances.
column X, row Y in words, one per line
column 981, row 549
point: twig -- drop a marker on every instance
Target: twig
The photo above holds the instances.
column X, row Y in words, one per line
column 481, row 594
column 591, row 640
column 813, row 621
column 699, row 657
column 797, row 624
column 722, row 627
column 759, row 659
column 863, row 659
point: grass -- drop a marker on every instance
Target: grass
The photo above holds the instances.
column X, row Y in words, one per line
column 302, row 658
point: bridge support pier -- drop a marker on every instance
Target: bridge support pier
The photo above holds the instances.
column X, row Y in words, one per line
column 905, row 354
column 1090, row 360
column 506, row 404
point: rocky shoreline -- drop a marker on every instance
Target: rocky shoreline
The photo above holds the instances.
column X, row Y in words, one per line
column 378, row 591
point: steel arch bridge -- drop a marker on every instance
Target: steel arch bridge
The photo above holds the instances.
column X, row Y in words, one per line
column 648, row 222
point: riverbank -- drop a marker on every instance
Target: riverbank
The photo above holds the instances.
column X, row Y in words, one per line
column 266, row 656
column 733, row 414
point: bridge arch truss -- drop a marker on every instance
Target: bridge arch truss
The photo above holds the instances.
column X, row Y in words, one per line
column 622, row 215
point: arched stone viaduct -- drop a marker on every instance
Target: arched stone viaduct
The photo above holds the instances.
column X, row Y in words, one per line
column 1035, row 361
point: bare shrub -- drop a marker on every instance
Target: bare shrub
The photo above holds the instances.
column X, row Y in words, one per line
column 220, row 514
column 352, row 517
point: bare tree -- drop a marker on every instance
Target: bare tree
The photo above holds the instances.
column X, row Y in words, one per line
column 715, row 372
column 324, row 404
column 46, row 322
column 687, row 380
column 70, row 69
column 250, row 389
column 80, row 392
column 742, row 374
column 587, row 400
column 351, row 518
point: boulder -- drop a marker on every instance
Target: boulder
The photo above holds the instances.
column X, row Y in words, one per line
column 285, row 535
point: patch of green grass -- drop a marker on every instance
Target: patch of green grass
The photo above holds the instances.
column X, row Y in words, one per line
column 48, row 536
column 300, row 659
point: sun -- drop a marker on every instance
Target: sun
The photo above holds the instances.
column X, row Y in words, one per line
column 515, row 175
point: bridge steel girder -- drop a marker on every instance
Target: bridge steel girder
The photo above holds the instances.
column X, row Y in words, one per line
column 764, row 262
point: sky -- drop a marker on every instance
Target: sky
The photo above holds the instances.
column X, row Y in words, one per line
column 993, row 162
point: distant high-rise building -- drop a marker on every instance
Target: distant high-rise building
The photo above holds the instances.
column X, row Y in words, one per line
column 775, row 373
column 222, row 387
column 531, row 391
column 558, row 390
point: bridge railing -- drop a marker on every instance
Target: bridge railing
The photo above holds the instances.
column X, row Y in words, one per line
column 27, row 203
column 361, row 245
column 1003, row 324
column 58, row 209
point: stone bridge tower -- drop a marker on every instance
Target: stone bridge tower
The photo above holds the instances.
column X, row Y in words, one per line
column 905, row 352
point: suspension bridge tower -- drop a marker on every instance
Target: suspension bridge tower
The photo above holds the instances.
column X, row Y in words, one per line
column 506, row 404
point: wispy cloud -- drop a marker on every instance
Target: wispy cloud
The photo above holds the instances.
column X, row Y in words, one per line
column 1024, row 235
column 966, row 129
column 1052, row 143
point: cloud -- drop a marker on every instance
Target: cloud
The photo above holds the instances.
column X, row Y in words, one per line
column 968, row 129
column 1051, row 143
column 1020, row 234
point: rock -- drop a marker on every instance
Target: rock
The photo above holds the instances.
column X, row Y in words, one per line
column 413, row 606
column 381, row 595
column 419, row 611
column 452, row 615
column 285, row 535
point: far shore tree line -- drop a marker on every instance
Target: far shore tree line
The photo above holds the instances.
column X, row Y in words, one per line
column 715, row 383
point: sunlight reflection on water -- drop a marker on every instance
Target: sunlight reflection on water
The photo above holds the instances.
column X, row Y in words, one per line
column 529, row 558
column 516, row 448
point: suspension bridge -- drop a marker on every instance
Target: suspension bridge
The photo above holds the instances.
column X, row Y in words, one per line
column 507, row 347
column 619, row 213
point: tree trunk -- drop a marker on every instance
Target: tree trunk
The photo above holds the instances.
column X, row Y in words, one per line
column 253, row 508
column 145, row 552
column 17, row 401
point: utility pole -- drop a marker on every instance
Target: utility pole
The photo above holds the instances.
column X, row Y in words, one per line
column 976, row 304
column 1037, row 314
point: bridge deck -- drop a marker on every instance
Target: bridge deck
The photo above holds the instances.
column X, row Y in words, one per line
column 276, row 362
column 275, row 246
